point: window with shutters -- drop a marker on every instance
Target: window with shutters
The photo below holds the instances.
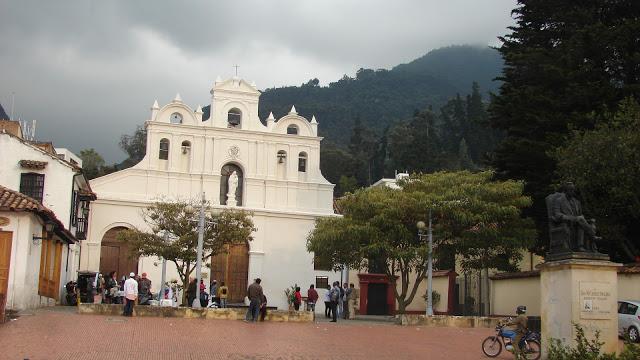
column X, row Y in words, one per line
column 32, row 185
column 322, row 282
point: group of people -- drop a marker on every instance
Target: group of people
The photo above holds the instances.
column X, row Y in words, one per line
column 109, row 290
column 340, row 301
column 217, row 295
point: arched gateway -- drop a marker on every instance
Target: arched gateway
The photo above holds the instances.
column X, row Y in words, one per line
column 114, row 255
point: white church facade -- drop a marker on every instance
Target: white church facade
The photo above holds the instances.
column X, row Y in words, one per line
column 277, row 178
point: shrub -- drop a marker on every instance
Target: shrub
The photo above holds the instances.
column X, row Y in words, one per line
column 586, row 349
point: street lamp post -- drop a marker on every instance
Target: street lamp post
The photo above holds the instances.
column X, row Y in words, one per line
column 421, row 225
column 196, row 301
column 199, row 251
column 164, row 269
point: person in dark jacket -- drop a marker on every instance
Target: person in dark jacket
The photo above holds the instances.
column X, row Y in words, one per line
column 312, row 298
column 191, row 292
column 255, row 294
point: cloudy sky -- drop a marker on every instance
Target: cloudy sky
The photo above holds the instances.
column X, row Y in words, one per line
column 89, row 70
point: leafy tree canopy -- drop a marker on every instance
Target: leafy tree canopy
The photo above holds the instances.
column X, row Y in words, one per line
column 222, row 228
column 92, row 163
column 474, row 216
column 604, row 163
column 567, row 65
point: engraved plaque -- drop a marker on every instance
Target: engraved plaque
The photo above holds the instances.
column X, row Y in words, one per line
column 596, row 299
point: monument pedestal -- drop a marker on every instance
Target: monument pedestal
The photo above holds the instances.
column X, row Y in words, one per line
column 579, row 291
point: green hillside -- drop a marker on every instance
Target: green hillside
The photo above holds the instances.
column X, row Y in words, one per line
column 380, row 97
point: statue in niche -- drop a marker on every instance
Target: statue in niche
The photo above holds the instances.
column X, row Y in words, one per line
column 232, row 186
column 569, row 231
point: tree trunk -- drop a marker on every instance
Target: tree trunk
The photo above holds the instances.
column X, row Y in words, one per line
column 487, row 293
column 401, row 306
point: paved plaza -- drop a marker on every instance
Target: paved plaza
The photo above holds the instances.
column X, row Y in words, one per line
column 58, row 333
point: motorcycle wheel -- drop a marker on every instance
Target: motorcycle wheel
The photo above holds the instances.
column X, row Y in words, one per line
column 532, row 351
column 491, row 346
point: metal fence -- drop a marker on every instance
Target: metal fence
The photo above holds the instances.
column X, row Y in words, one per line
column 472, row 294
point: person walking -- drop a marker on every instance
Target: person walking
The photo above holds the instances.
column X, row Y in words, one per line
column 254, row 293
column 353, row 301
column 312, row 298
column 335, row 299
column 130, row 294
column 327, row 302
column 223, row 292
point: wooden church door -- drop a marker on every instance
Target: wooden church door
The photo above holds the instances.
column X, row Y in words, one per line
column 232, row 267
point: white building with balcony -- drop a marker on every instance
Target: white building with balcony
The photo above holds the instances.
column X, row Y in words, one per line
column 44, row 207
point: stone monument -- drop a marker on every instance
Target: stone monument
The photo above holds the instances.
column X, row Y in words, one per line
column 232, row 186
column 578, row 284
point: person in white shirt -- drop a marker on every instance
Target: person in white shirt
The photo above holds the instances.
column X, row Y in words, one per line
column 130, row 294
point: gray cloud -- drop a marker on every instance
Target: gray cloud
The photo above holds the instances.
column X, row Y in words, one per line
column 89, row 70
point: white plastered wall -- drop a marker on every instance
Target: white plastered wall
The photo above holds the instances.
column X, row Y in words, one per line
column 25, row 263
column 58, row 177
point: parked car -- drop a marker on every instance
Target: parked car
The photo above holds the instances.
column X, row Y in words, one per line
column 629, row 319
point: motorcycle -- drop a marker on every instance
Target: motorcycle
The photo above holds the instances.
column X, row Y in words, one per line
column 530, row 344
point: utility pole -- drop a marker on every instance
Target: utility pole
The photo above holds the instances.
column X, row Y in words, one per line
column 430, row 270
column 196, row 301
column 421, row 225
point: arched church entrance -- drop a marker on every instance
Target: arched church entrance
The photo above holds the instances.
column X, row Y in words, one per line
column 114, row 255
column 232, row 267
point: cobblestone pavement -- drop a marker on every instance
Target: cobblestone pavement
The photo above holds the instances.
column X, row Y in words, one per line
column 58, row 333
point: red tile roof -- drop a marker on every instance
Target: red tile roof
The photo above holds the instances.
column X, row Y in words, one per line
column 11, row 200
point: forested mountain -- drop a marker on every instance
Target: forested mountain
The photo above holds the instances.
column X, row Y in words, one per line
column 380, row 97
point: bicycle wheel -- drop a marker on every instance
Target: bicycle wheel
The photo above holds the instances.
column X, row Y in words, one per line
column 492, row 346
column 532, row 350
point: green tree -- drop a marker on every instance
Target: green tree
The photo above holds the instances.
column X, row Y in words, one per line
column 482, row 139
column 604, row 163
column 463, row 155
column 134, row 145
column 363, row 148
column 335, row 163
column 222, row 228
column 92, row 163
column 567, row 64
column 347, row 184
column 476, row 217
column 415, row 145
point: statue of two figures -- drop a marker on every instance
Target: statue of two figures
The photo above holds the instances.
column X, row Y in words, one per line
column 232, row 187
column 570, row 234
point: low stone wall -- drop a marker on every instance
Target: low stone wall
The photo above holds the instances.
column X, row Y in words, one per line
column 184, row 312
column 448, row 321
